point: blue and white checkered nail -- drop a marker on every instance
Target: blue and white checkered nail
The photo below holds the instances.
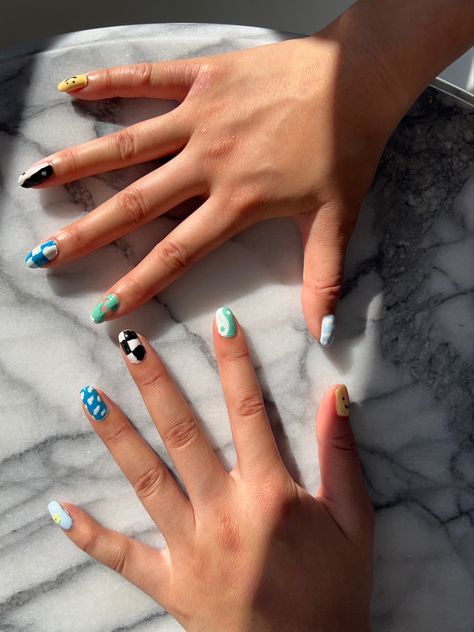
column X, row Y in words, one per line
column 328, row 330
column 96, row 407
column 42, row 254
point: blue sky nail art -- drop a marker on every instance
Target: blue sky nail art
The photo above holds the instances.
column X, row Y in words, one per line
column 328, row 330
column 96, row 407
column 42, row 254
column 60, row 515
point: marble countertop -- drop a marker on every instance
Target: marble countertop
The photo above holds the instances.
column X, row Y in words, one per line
column 404, row 347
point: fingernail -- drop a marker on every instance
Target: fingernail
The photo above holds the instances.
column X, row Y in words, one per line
column 60, row 516
column 73, row 83
column 105, row 308
column 225, row 322
column 42, row 254
column 328, row 330
column 35, row 175
column 342, row 401
column 132, row 346
column 96, row 407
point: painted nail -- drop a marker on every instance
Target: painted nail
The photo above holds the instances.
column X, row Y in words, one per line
column 73, row 83
column 328, row 330
column 105, row 308
column 96, row 407
column 35, row 175
column 342, row 401
column 42, row 254
column 225, row 322
column 60, row 516
column 132, row 346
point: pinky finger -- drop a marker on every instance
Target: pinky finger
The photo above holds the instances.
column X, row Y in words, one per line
column 139, row 563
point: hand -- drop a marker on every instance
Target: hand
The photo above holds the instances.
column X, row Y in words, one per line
column 288, row 129
column 247, row 549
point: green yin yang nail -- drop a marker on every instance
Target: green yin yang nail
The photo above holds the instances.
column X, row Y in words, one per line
column 225, row 322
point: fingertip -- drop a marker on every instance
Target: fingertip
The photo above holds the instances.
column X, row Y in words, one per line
column 225, row 322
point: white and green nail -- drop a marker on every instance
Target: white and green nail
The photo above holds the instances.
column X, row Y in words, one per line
column 225, row 322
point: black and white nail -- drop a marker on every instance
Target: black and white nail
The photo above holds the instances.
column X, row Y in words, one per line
column 132, row 346
column 35, row 175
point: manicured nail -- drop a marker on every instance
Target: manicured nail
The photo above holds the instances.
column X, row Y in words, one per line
column 73, row 83
column 342, row 401
column 35, row 175
column 96, row 407
column 60, row 515
column 225, row 322
column 132, row 346
column 328, row 330
column 105, row 308
column 42, row 254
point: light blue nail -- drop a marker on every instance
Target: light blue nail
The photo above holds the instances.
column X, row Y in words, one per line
column 225, row 322
column 42, row 254
column 328, row 330
column 60, row 515
column 96, row 407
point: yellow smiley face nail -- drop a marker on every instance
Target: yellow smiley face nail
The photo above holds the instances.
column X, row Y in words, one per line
column 73, row 83
column 56, row 518
column 342, row 401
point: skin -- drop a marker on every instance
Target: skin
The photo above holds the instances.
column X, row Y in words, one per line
column 262, row 133
column 247, row 549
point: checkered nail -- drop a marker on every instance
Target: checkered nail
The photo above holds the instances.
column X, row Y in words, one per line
column 35, row 175
column 42, row 254
column 132, row 346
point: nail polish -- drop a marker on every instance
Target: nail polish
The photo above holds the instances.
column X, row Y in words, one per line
column 73, row 83
column 225, row 322
column 328, row 330
column 35, row 175
column 342, row 401
column 60, row 516
column 96, row 407
column 42, row 254
column 105, row 308
column 132, row 346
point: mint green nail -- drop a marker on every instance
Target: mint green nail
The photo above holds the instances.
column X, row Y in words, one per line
column 225, row 322
column 105, row 308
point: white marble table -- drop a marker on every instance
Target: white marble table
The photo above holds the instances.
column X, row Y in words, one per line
column 404, row 348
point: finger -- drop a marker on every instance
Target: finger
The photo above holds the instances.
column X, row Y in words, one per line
column 325, row 235
column 138, row 143
column 257, row 452
column 142, row 565
column 188, row 447
column 155, row 487
column 161, row 80
column 197, row 235
column 342, row 489
column 135, row 206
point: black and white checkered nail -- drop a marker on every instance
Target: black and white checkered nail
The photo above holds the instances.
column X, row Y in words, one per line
column 131, row 346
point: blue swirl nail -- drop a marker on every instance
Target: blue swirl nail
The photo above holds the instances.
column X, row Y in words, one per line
column 60, row 516
column 96, row 407
column 328, row 330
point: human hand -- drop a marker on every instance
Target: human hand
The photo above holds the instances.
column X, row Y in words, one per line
column 247, row 549
column 259, row 133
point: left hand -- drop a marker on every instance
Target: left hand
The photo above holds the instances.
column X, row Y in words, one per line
column 248, row 549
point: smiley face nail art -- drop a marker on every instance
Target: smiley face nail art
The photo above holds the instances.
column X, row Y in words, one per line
column 59, row 515
column 96, row 407
column 342, row 401
column 73, row 83
column 105, row 308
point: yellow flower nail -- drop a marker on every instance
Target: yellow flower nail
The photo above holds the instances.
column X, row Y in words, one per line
column 73, row 83
column 342, row 401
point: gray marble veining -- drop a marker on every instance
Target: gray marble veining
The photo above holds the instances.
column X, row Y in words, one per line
column 404, row 347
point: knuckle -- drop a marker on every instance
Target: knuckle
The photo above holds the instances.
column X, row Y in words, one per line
column 124, row 144
column 132, row 288
column 220, row 148
column 117, row 433
column 131, row 204
column 89, row 543
column 345, row 442
column 182, row 434
column 174, row 255
column 154, row 379
column 327, row 291
column 149, row 482
column 227, row 532
column 249, row 406
column 76, row 236
column 69, row 160
column 118, row 558
column 141, row 74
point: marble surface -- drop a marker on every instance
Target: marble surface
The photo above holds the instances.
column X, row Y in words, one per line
column 404, row 348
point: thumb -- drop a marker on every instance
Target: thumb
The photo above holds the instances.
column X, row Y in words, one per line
column 342, row 488
column 325, row 234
